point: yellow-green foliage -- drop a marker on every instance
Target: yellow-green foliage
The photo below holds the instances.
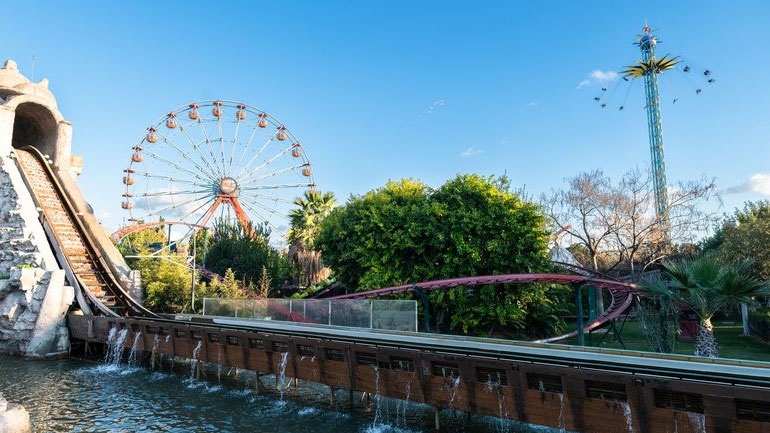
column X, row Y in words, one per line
column 167, row 284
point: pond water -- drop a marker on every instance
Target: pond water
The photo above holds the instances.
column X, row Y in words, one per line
column 76, row 396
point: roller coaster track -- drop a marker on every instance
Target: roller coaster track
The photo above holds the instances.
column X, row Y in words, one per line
column 621, row 293
column 496, row 279
column 98, row 288
column 620, row 301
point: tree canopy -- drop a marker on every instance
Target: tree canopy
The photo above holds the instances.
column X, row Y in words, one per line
column 305, row 222
column 705, row 286
column 616, row 224
column 744, row 235
column 406, row 232
column 243, row 250
column 166, row 277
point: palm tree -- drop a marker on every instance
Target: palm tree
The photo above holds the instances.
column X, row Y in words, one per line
column 305, row 222
column 706, row 286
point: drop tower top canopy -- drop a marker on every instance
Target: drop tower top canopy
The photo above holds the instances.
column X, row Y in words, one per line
column 647, row 40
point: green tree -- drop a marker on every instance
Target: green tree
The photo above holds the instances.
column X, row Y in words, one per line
column 167, row 284
column 141, row 243
column 227, row 287
column 245, row 251
column 263, row 288
column 406, row 233
column 705, row 286
column 744, row 235
column 305, row 223
column 378, row 239
column 166, row 275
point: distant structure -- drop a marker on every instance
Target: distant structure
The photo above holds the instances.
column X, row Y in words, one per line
column 648, row 68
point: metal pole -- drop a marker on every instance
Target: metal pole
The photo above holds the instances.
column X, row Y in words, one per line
column 192, row 283
column 579, row 304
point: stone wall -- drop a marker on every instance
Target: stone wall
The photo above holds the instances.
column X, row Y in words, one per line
column 34, row 297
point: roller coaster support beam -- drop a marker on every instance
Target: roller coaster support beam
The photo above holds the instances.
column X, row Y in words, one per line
column 579, row 304
column 591, row 303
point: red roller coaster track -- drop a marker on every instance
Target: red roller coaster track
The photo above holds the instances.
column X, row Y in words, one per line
column 127, row 230
column 621, row 293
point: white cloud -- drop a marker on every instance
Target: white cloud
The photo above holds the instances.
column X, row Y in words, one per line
column 471, row 151
column 597, row 76
column 604, row 76
column 583, row 84
column 436, row 105
column 531, row 104
column 759, row 183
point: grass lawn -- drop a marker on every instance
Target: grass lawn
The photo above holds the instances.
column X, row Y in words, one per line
column 732, row 344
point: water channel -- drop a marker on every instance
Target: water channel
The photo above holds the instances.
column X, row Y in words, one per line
column 76, row 396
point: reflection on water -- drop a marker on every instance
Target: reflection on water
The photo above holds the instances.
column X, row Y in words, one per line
column 72, row 396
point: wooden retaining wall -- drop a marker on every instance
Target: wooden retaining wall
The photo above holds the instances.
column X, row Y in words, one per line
column 573, row 398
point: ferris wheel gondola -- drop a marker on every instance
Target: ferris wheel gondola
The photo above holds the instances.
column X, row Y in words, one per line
column 216, row 159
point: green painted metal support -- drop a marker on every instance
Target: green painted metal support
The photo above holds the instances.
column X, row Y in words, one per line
column 580, row 325
column 591, row 303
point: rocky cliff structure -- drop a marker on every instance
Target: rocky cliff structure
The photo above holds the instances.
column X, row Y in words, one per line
column 34, row 292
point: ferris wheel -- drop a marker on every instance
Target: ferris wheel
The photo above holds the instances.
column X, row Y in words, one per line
column 216, row 159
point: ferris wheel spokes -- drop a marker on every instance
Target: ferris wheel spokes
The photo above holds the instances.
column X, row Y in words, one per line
column 278, row 186
column 246, row 168
column 278, row 172
column 267, row 163
column 168, row 178
column 185, row 155
column 167, row 193
column 207, row 140
column 266, row 220
column 173, row 209
column 247, row 147
column 217, row 163
column 196, row 146
column 158, row 158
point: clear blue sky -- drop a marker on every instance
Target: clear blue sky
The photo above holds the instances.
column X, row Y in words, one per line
column 380, row 90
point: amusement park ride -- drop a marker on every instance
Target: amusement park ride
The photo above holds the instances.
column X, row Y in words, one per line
column 214, row 158
column 648, row 68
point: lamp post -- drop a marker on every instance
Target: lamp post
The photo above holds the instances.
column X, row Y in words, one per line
column 192, row 283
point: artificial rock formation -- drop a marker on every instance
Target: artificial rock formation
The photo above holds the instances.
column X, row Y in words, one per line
column 13, row 417
column 34, row 296
column 34, row 293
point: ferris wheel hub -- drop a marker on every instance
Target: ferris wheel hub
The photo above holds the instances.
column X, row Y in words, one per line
column 228, row 186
